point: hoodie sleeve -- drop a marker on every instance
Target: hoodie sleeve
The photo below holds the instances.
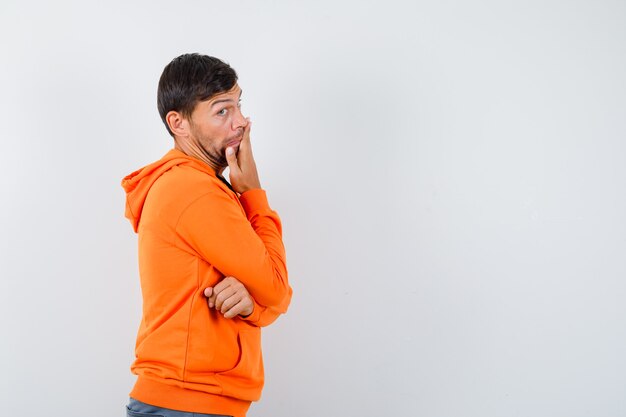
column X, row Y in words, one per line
column 264, row 316
column 249, row 247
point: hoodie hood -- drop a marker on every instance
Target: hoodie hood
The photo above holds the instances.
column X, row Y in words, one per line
column 138, row 183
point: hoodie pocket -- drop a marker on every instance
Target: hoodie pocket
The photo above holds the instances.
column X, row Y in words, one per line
column 245, row 380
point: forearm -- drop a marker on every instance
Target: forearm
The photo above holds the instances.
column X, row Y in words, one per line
column 246, row 245
column 271, row 287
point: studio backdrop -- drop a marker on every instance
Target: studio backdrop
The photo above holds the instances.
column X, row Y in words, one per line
column 450, row 176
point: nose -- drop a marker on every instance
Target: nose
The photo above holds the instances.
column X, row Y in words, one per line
column 239, row 122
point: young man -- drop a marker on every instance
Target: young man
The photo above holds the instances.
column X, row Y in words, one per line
column 211, row 258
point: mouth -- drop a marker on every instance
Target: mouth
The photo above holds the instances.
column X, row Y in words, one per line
column 234, row 142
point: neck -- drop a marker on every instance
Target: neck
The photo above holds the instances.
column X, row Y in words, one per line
column 197, row 152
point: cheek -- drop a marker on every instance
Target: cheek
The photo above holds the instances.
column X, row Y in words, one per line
column 213, row 129
column 219, row 127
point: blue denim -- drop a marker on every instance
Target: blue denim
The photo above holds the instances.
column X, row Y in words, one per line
column 138, row 409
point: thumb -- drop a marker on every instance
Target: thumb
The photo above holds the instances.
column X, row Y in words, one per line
column 231, row 158
column 208, row 292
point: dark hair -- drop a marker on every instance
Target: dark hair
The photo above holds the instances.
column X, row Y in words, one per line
column 191, row 78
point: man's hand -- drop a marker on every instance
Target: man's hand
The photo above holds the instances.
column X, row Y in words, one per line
column 230, row 298
column 243, row 174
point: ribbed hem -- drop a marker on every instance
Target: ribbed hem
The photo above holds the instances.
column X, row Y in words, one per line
column 156, row 393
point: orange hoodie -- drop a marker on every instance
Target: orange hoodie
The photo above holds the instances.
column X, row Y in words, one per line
column 193, row 230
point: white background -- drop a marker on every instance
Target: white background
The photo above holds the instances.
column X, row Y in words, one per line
column 451, row 178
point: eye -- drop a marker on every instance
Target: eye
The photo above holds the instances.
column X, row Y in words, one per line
column 222, row 112
column 239, row 103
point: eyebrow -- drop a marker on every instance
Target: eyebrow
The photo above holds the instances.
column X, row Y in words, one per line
column 226, row 100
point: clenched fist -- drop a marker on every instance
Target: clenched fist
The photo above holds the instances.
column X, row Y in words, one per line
column 230, row 298
column 243, row 173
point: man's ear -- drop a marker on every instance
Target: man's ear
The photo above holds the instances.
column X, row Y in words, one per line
column 177, row 123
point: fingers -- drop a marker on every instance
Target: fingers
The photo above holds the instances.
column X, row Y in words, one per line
column 235, row 159
column 224, row 295
column 225, row 283
column 208, row 293
column 229, row 303
column 246, row 132
column 245, row 150
column 243, row 172
column 243, row 306
column 230, row 298
column 231, row 158
column 212, row 292
column 225, row 289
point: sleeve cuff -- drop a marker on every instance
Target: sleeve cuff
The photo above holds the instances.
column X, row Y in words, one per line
column 254, row 200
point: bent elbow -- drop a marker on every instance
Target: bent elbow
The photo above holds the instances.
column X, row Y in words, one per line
column 277, row 292
column 275, row 297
